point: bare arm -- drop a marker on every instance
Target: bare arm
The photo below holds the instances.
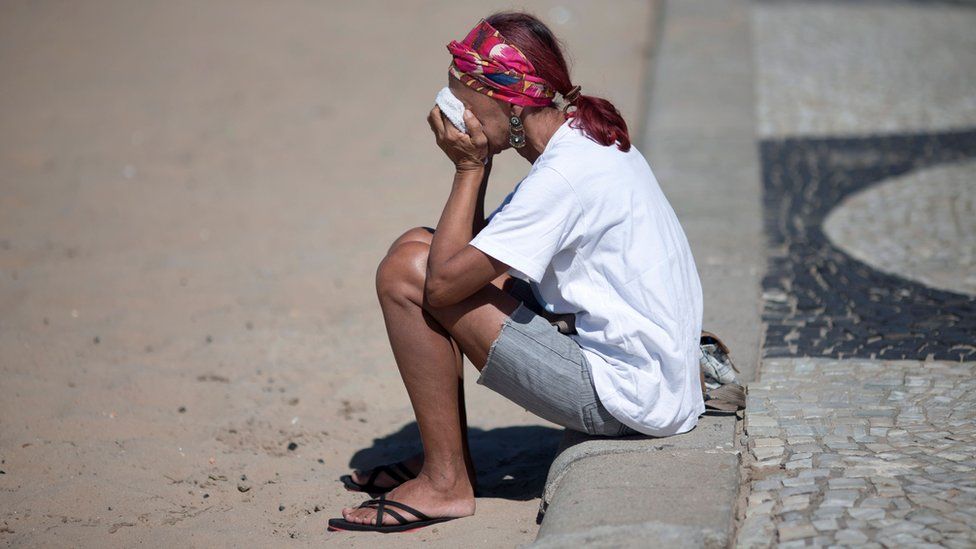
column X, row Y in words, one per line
column 455, row 269
column 479, row 212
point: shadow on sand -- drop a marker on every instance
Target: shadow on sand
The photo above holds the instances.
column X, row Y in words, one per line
column 511, row 462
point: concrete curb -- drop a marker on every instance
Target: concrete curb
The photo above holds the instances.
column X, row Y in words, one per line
column 711, row 433
column 618, row 491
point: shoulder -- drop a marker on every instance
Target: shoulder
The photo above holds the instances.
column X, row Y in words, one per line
column 578, row 159
column 545, row 178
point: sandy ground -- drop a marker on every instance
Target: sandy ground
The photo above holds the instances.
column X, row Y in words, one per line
column 194, row 197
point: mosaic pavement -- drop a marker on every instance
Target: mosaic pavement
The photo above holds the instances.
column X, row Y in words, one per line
column 852, row 451
column 821, row 301
column 920, row 226
column 861, row 427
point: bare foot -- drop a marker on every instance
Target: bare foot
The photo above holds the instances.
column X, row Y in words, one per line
column 383, row 480
column 441, row 499
column 413, row 463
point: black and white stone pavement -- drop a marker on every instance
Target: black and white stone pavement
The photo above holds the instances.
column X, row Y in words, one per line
column 820, row 301
column 861, row 426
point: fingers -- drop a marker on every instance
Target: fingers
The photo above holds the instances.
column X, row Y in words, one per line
column 472, row 123
column 461, row 147
column 475, row 130
column 449, row 126
column 436, row 122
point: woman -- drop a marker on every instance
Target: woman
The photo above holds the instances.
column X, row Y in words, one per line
column 586, row 237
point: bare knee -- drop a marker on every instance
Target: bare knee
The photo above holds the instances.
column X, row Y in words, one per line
column 403, row 271
column 416, row 234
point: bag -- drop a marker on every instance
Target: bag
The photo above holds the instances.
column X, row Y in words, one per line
column 720, row 388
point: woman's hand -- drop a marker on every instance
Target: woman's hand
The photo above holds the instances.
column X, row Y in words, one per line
column 468, row 150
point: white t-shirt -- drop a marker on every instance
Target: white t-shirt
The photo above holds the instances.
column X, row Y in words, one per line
column 593, row 233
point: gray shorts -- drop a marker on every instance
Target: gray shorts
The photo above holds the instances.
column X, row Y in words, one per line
column 544, row 371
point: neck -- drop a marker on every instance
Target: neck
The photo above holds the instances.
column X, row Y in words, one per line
column 540, row 125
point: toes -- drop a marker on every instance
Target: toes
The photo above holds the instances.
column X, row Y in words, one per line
column 365, row 518
column 359, row 515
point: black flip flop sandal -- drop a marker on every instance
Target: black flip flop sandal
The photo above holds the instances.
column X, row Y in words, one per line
column 370, row 487
column 381, row 503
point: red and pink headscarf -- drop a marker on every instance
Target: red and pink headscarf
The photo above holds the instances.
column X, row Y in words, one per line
column 486, row 62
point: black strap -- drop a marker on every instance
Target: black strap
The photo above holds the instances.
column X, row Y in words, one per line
column 394, row 514
column 379, row 513
column 406, row 471
column 393, row 474
column 381, row 502
column 380, row 505
column 369, row 502
column 406, row 507
column 383, row 469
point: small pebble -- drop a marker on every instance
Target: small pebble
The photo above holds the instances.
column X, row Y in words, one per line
column 243, row 477
column 292, row 446
column 241, row 487
column 182, row 409
column 205, row 496
column 281, row 507
column 321, row 460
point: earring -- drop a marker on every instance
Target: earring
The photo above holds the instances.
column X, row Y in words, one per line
column 516, row 132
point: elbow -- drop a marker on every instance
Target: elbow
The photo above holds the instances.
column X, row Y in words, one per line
column 434, row 293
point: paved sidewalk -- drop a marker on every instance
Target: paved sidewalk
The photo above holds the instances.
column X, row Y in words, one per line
column 861, row 429
column 852, row 451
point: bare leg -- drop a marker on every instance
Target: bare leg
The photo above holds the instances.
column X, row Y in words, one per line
column 422, row 338
column 415, row 462
column 434, row 340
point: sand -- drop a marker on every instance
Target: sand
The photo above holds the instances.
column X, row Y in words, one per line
column 194, row 197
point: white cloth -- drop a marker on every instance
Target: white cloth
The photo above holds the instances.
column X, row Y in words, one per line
column 590, row 228
column 452, row 107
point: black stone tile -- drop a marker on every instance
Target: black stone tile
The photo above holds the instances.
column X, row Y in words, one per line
column 866, row 312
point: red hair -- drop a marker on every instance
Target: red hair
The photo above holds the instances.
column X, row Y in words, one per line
column 599, row 119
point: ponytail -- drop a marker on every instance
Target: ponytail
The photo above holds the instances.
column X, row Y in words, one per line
column 601, row 121
column 597, row 117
